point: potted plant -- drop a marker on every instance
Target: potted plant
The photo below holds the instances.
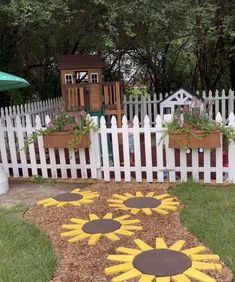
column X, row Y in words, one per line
column 66, row 130
column 192, row 127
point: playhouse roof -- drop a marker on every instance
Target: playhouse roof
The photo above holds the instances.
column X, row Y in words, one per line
column 181, row 95
column 80, row 61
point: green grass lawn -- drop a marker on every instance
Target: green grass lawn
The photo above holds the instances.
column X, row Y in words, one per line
column 26, row 253
column 209, row 214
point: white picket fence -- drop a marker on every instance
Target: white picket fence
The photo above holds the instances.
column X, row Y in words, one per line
column 109, row 154
column 152, row 143
column 223, row 102
column 35, row 160
column 41, row 108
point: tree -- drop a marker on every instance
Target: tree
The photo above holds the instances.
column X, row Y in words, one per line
column 159, row 44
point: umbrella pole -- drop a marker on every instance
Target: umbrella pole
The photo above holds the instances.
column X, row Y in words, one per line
column 4, row 184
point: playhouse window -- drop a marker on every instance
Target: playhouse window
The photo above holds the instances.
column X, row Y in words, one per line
column 81, row 76
column 167, row 110
column 68, row 79
column 94, row 78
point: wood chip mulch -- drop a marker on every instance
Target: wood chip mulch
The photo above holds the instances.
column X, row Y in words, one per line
column 79, row 262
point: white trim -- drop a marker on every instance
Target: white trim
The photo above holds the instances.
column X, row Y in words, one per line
column 68, row 74
column 97, row 74
column 178, row 98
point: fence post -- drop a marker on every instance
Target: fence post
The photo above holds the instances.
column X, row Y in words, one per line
column 30, row 130
column 115, row 145
column 3, row 149
column 12, row 145
column 41, row 149
column 223, row 97
column 23, row 159
column 170, row 154
column 155, row 104
column 148, row 149
column 137, row 150
column 51, row 154
column 104, row 148
column 94, row 151
column 231, row 101
column 126, row 153
column 125, row 105
column 219, row 155
column 143, row 107
column 231, row 152
column 159, row 148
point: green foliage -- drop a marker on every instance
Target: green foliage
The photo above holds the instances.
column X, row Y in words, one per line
column 209, row 215
column 24, row 13
column 190, row 119
column 166, row 44
column 136, row 91
column 26, row 252
column 78, row 124
column 38, row 179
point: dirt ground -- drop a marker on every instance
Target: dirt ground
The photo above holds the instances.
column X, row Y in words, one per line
column 28, row 193
column 79, row 262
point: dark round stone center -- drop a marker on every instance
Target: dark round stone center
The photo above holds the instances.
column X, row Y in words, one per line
column 162, row 262
column 142, row 202
column 101, row 226
column 68, row 197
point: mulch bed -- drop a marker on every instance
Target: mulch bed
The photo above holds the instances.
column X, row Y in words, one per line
column 80, row 262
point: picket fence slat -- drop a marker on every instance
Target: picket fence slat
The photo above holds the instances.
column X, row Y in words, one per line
column 207, row 164
column 23, row 158
column 41, row 149
column 92, row 151
column 115, row 145
column 72, row 163
column 159, row 148
column 62, row 162
column 183, row 162
column 148, row 149
column 83, row 163
column 3, row 149
column 95, row 151
column 170, row 160
column 104, row 151
column 32, row 154
column 12, row 144
column 231, row 152
column 195, row 171
column 126, row 153
column 137, row 148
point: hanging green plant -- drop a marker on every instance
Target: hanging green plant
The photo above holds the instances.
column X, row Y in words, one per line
column 191, row 127
column 67, row 130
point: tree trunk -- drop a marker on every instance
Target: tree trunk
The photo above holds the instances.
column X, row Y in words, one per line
column 232, row 71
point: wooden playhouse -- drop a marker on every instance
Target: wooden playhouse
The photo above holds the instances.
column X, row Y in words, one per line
column 83, row 86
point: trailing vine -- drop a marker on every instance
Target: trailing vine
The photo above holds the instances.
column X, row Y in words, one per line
column 77, row 124
column 192, row 119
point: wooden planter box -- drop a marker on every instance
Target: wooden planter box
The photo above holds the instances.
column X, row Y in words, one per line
column 62, row 140
column 184, row 140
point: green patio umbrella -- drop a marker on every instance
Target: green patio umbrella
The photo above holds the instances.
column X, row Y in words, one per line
column 9, row 81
